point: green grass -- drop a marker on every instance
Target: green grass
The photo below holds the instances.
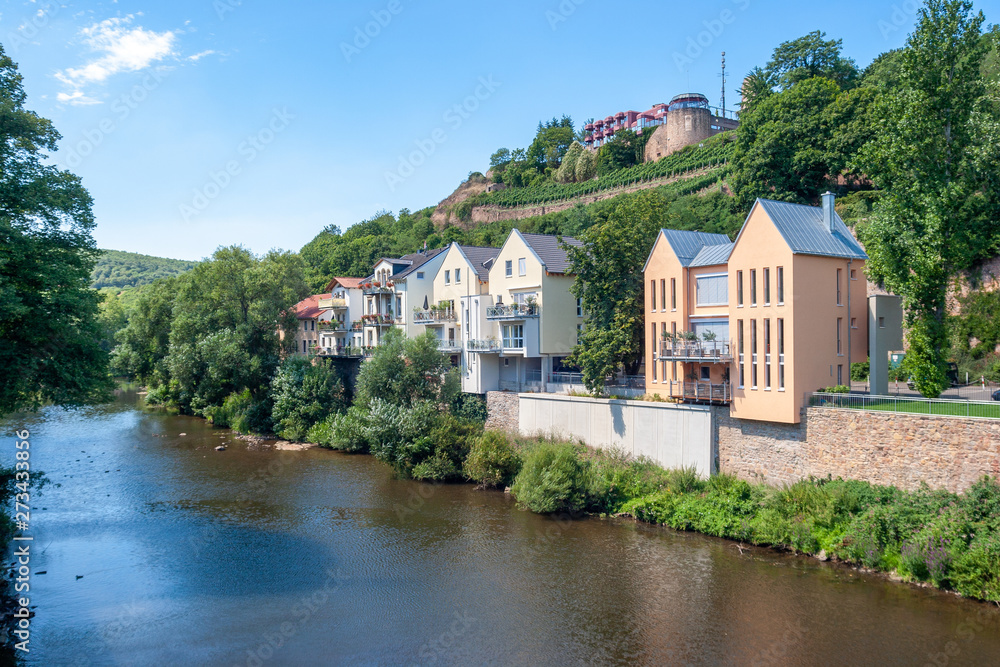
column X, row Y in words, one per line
column 945, row 408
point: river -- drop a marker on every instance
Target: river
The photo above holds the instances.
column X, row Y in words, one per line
column 158, row 550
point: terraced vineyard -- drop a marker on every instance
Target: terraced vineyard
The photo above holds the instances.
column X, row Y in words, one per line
column 713, row 153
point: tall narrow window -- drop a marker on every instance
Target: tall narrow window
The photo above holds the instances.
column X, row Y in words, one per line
column 839, row 272
column 579, row 306
column 673, row 294
column 739, row 336
column 781, row 285
column 767, row 352
column 753, row 354
column 663, row 293
column 508, row 269
column 767, row 287
column 663, row 337
column 522, row 267
column 753, row 287
column 781, row 354
column 458, row 276
column 652, row 357
column 447, row 277
column 739, row 288
column 652, row 295
column 840, row 347
column 673, row 337
column 840, row 374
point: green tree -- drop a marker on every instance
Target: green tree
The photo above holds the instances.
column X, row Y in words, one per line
column 304, row 392
column 405, row 371
column 935, row 161
column 610, row 282
column 625, row 149
column 807, row 57
column 143, row 343
column 550, row 144
column 567, row 170
column 757, row 85
column 586, row 166
column 50, row 336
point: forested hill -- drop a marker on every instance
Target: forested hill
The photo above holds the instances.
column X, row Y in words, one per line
column 128, row 269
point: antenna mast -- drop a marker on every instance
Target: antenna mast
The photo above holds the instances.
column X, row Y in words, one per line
column 723, row 84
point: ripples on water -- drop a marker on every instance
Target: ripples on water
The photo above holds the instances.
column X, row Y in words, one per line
column 190, row 556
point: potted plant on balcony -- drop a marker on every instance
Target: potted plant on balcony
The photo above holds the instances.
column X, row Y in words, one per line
column 530, row 303
column 711, row 349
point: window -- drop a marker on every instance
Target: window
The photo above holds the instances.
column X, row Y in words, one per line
column 840, row 348
column 854, row 274
column 739, row 336
column 854, row 323
column 304, row 347
column 753, row 287
column 466, row 318
column 840, row 374
column 673, row 294
column 579, row 332
column 506, row 362
column 513, row 336
column 652, row 342
column 712, row 290
column 839, row 271
column 706, row 373
column 781, row 285
column 508, row 269
column 767, row 287
column 753, row 354
column 767, row 354
column 781, row 354
column 399, row 306
column 458, row 276
column 881, row 323
column 447, row 277
column 652, row 295
column 579, row 306
column 739, row 289
column 663, row 294
column 420, row 275
column 522, row 267
column 312, row 325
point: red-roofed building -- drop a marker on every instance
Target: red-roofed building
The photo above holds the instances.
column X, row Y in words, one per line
column 307, row 313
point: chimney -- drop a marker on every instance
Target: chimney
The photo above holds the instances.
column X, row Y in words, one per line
column 828, row 210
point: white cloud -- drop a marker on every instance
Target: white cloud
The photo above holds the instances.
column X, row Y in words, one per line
column 122, row 48
column 198, row 56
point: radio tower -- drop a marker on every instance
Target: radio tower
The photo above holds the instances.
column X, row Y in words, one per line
column 723, row 84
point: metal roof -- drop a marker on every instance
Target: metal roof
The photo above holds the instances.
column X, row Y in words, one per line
column 417, row 259
column 804, row 231
column 711, row 255
column 480, row 258
column 550, row 251
column 687, row 245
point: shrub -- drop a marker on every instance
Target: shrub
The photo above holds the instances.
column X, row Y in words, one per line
column 493, row 461
column 304, row 394
column 553, row 479
column 838, row 389
column 618, row 478
column 470, row 407
column 860, row 371
column 451, row 440
column 320, row 433
column 976, row 571
column 348, row 431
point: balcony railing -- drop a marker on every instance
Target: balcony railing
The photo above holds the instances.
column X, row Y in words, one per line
column 449, row 345
column 514, row 311
column 332, row 325
column 484, row 346
column 711, row 351
column 434, row 316
column 325, row 304
column 377, row 288
column 339, row 352
column 377, row 320
column 357, row 325
column 693, row 390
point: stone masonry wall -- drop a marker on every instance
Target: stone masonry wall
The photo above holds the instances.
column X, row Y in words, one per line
column 878, row 447
column 502, row 409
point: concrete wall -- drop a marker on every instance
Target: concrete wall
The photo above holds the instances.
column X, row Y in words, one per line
column 881, row 448
column 672, row 435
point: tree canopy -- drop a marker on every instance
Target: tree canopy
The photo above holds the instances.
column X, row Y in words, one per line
column 49, row 332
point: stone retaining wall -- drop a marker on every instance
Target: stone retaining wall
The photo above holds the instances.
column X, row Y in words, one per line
column 879, row 447
column 502, row 410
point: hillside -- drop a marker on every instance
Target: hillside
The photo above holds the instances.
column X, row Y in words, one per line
column 128, row 269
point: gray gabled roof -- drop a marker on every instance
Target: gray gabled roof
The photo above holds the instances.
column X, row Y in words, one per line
column 804, row 231
column 481, row 259
column 550, row 251
column 687, row 245
column 417, row 259
column 711, row 255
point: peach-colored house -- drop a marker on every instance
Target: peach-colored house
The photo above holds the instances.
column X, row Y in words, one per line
column 778, row 313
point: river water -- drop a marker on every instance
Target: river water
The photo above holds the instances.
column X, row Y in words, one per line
column 159, row 550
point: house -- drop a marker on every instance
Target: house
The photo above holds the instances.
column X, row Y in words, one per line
column 337, row 333
column 533, row 321
column 307, row 315
column 760, row 322
column 394, row 285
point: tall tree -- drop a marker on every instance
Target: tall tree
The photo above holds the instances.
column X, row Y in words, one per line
column 610, row 282
column 935, row 161
column 50, row 338
column 807, row 57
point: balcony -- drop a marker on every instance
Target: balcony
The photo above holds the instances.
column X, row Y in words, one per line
column 449, row 345
column 515, row 311
column 332, row 325
column 357, row 325
column 434, row 316
column 327, row 304
column 350, row 352
column 701, row 392
column 704, row 351
column 488, row 346
column 377, row 320
column 377, row 288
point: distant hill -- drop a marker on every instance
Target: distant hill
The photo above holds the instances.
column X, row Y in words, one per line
column 128, row 269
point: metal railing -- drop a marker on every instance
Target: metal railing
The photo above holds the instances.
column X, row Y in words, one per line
column 332, row 303
column 483, row 346
column 376, row 288
column 432, row 316
column 696, row 390
column 377, row 320
column 514, row 311
column 697, row 350
column 905, row 404
column 449, row 345
column 332, row 325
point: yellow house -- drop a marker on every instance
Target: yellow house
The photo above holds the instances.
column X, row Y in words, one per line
column 784, row 308
column 534, row 317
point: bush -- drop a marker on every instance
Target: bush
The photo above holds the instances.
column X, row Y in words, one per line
column 321, row 433
column 304, row 394
column 553, row 479
column 470, row 407
column 450, row 443
column 493, row 461
column 618, row 478
column 976, row 572
column 348, row 431
column 860, row 371
column 838, row 389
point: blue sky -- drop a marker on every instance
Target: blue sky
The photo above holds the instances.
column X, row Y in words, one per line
column 202, row 123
